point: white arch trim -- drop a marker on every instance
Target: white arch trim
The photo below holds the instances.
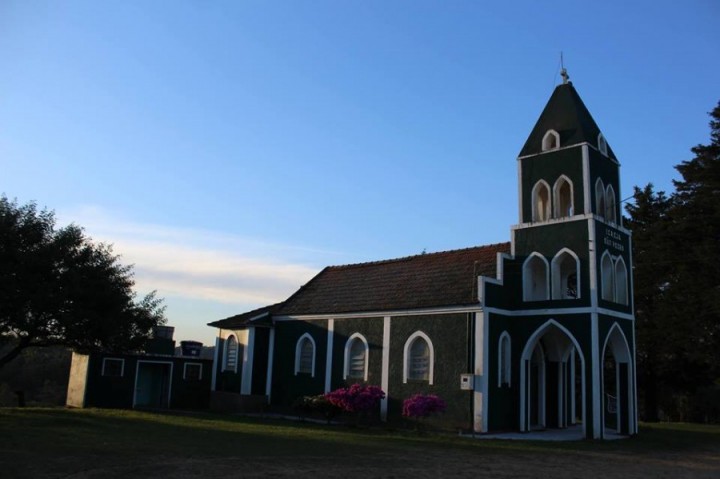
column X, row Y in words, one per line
column 227, row 351
column 527, row 353
column 298, row 350
column 621, row 355
column 534, row 195
column 600, row 197
column 604, row 278
column 406, row 355
column 546, row 140
column 610, row 195
column 556, row 199
column 348, row 346
column 525, row 277
column 508, row 355
column 554, row 262
column 620, row 261
column 602, row 144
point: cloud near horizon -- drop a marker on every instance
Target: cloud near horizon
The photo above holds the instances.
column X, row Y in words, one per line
column 197, row 264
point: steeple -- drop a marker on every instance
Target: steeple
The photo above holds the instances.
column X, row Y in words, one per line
column 566, row 114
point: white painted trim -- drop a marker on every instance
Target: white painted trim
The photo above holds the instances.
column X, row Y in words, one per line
column 248, row 359
column 635, row 428
column 573, row 406
column 556, row 199
column 471, row 308
column 600, row 195
column 567, row 219
column 544, row 145
column 610, row 194
column 485, row 378
column 609, row 282
column 568, row 147
column 406, row 351
column 122, row 367
column 534, row 196
column 185, row 365
column 526, row 356
column 560, row 312
column 346, row 355
column 621, row 262
column 556, row 276
column 520, row 192
column 137, row 374
column 508, row 354
column 271, row 357
column 213, row 381
column 625, row 358
column 329, row 354
column 479, row 412
column 587, row 207
column 592, row 262
column 602, row 144
column 595, row 366
column 385, row 375
column 226, row 349
column 298, row 349
column 526, row 277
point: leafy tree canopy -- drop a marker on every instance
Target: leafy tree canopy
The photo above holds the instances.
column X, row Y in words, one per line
column 57, row 287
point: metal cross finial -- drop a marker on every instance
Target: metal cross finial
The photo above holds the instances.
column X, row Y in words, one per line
column 563, row 70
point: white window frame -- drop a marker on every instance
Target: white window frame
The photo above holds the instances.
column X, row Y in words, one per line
column 298, row 352
column 185, row 367
column 557, row 274
column 348, row 349
column 527, row 278
column 612, row 208
column 556, row 197
column 625, row 299
column 227, row 351
column 122, row 367
column 406, row 356
column 534, row 195
column 604, row 279
column 507, row 353
column 546, row 140
column 600, row 198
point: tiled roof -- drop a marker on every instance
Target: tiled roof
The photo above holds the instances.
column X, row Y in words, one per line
column 565, row 113
column 239, row 321
column 427, row 280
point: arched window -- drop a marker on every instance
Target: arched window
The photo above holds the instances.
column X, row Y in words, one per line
column 621, row 281
column 551, row 141
column 541, row 201
column 231, row 354
column 610, row 204
column 563, row 197
column 565, row 275
column 607, row 279
column 599, row 198
column 305, row 355
column 602, row 144
column 419, row 358
column 535, row 278
column 504, row 359
column 356, row 358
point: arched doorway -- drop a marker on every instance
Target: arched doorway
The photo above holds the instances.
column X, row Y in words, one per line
column 551, row 369
column 618, row 410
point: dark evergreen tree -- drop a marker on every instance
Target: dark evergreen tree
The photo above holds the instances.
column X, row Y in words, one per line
column 57, row 287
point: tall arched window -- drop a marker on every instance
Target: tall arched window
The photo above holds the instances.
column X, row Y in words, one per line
column 504, row 358
column 610, row 204
column 563, row 197
column 231, row 354
column 599, row 198
column 551, row 140
column 419, row 358
column 565, row 275
column 621, row 281
column 607, row 279
column 356, row 357
column 305, row 355
column 535, row 278
column 541, row 201
column 602, row 144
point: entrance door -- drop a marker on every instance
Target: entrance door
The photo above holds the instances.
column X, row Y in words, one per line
column 152, row 384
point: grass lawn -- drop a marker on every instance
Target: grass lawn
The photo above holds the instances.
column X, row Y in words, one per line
column 127, row 444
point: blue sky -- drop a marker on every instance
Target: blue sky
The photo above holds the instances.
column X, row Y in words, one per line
column 230, row 150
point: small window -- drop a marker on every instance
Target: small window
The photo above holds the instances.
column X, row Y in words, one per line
column 610, row 204
column 419, row 358
column 607, row 280
column 305, row 355
column 565, row 269
column 356, row 358
column 535, row 278
column 621, row 281
column 192, row 372
column 563, row 193
column 504, row 359
column 113, row 367
column 551, row 141
column 540, row 201
column 602, row 144
column 231, row 354
column 599, row 198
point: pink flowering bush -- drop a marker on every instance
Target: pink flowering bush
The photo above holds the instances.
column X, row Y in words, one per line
column 420, row 406
column 356, row 398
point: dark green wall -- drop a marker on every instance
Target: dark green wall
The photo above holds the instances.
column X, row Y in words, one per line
column 372, row 330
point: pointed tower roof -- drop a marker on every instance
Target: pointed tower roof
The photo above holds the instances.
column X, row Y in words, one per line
column 565, row 113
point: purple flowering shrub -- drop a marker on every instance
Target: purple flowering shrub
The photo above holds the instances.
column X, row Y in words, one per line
column 356, row 398
column 420, row 406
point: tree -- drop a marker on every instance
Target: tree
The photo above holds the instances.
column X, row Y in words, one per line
column 57, row 287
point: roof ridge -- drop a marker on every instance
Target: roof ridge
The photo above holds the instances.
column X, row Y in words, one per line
column 410, row 257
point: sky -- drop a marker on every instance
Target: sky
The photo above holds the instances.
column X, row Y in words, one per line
column 232, row 149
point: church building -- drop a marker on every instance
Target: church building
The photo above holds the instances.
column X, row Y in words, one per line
column 537, row 333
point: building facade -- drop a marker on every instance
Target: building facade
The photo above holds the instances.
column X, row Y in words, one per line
column 528, row 335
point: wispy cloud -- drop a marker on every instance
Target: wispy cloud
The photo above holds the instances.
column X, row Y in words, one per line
column 197, row 264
